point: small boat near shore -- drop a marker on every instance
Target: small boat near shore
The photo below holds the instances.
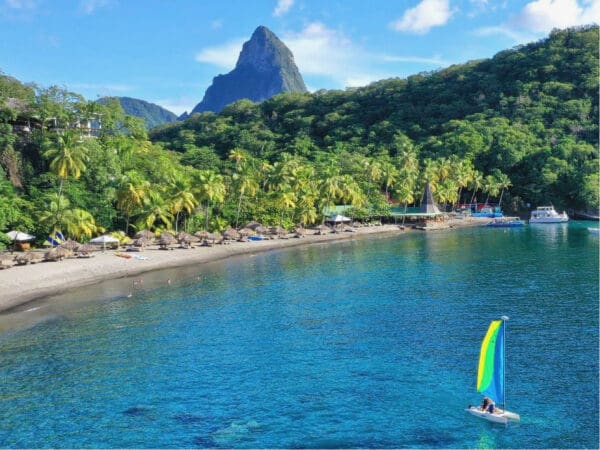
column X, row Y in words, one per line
column 547, row 214
column 506, row 222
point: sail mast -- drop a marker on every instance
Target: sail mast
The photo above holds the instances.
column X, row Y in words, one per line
column 504, row 319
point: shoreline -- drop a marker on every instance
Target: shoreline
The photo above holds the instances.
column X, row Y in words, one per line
column 24, row 284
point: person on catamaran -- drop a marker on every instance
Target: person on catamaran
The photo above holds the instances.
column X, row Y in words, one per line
column 487, row 405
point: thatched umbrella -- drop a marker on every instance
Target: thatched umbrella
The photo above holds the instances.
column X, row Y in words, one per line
column 253, row 225
column 181, row 235
column 278, row 231
column 261, row 230
column 27, row 258
column 231, row 234
column 146, row 234
column 86, row 250
column 201, row 234
column 166, row 240
column 212, row 238
column 323, row 229
column 70, row 244
column 185, row 239
column 299, row 231
column 141, row 242
column 57, row 254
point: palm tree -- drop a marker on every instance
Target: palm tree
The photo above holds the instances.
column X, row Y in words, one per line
column 245, row 183
column 389, row 176
column 130, row 194
column 211, row 189
column 491, row 187
column 503, row 182
column 156, row 212
column 67, row 157
column 463, row 174
column 80, row 223
column 54, row 210
column 182, row 198
column 476, row 183
column 405, row 194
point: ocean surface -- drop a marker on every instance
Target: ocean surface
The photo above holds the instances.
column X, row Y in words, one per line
column 366, row 344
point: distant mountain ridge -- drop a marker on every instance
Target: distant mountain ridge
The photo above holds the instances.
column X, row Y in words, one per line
column 152, row 113
column 264, row 68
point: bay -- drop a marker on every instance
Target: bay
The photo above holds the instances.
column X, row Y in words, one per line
column 369, row 343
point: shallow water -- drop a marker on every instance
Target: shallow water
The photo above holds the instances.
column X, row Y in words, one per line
column 369, row 343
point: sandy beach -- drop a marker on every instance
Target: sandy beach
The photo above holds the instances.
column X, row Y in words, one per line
column 21, row 284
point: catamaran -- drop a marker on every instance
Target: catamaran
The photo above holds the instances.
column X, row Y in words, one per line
column 490, row 376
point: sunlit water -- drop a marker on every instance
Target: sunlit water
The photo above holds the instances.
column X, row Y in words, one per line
column 370, row 343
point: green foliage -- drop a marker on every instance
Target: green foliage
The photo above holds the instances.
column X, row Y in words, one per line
column 152, row 114
column 519, row 128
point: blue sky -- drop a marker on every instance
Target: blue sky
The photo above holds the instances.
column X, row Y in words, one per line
column 167, row 52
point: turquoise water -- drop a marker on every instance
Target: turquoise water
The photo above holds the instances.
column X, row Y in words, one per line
column 371, row 343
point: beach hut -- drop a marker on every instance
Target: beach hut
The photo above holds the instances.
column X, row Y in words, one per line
column 338, row 219
column 428, row 205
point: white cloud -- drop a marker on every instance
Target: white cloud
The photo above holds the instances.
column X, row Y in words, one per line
column 433, row 61
column 177, row 105
column 516, row 36
column 216, row 24
column 426, row 15
column 542, row 16
column 102, row 89
column 323, row 52
column 282, row 7
column 224, row 56
column 88, row 7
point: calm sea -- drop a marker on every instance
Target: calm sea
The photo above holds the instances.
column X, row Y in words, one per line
column 371, row 343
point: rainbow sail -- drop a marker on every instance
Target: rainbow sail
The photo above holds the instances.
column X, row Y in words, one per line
column 490, row 377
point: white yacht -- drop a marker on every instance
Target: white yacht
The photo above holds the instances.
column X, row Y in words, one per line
column 547, row 214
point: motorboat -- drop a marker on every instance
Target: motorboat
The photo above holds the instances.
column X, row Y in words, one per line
column 547, row 214
column 506, row 222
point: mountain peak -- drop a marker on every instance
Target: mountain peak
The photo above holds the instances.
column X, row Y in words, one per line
column 264, row 68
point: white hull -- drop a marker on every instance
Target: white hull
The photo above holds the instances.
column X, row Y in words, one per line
column 560, row 219
column 500, row 417
column 547, row 214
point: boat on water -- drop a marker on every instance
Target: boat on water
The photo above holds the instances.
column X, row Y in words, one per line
column 547, row 214
column 489, row 212
column 490, row 376
column 506, row 222
column 595, row 231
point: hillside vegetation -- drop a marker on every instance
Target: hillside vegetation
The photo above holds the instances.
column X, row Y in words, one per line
column 152, row 114
column 519, row 128
column 530, row 112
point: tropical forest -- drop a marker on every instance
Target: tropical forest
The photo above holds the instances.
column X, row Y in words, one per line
column 519, row 130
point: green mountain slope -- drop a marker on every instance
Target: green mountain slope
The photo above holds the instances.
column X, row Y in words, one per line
column 152, row 114
column 531, row 112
